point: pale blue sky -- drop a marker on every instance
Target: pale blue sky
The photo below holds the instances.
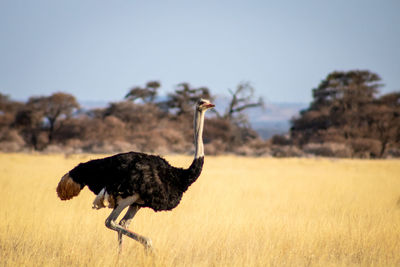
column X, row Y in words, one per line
column 98, row 49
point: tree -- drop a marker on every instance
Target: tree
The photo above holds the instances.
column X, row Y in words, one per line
column 185, row 97
column 57, row 106
column 8, row 109
column 347, row 88
column 242, row 99
column 338, row 102
column 9, row 136
column 29, row 124
column 43, row 113
column 345, row 110
column 240, row 131
column 146, row 94
column 7, row 105
column 383, row 118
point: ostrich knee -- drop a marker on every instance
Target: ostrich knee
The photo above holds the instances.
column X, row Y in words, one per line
column 110, row 224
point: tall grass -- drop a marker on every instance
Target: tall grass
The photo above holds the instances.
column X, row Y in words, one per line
column 241, row 212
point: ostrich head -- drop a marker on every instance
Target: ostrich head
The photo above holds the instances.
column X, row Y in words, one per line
column 204, row 104
column 201, row 106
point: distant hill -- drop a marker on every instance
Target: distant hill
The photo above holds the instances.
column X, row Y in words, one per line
column 267, row 129
column 274, row 118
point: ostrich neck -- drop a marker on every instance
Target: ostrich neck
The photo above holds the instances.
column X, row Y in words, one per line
column 191, row 174
column 198, row 134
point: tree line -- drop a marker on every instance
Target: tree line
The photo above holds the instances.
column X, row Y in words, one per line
column 140, row 121
column 346, row 118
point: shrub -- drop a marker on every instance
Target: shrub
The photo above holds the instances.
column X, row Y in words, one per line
column 328, row 150
column 365, row 147
column 282, row 140
column 286, row 151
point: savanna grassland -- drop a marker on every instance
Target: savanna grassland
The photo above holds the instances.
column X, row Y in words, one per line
column 241, row 212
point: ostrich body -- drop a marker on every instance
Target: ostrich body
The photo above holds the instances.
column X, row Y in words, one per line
column 136, row 180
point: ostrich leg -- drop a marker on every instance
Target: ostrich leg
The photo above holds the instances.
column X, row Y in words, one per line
column 126, row 220
column 111, row 224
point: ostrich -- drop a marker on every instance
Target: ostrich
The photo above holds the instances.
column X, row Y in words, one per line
column 136, row 180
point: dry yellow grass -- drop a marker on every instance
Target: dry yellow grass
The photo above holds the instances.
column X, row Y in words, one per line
column 241, row 212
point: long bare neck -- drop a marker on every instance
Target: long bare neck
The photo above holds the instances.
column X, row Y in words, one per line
column 198, row 133
column 191, row 174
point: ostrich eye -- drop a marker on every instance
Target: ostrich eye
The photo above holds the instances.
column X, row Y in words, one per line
column 201, row 102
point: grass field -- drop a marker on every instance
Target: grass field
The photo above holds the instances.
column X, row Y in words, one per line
column 241, row 212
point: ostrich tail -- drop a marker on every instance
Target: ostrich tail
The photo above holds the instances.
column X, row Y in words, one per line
column 67, row 188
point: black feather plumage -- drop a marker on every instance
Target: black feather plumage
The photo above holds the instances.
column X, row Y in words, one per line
column 159, row 184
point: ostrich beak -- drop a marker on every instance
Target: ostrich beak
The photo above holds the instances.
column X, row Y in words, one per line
column 209, row 105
